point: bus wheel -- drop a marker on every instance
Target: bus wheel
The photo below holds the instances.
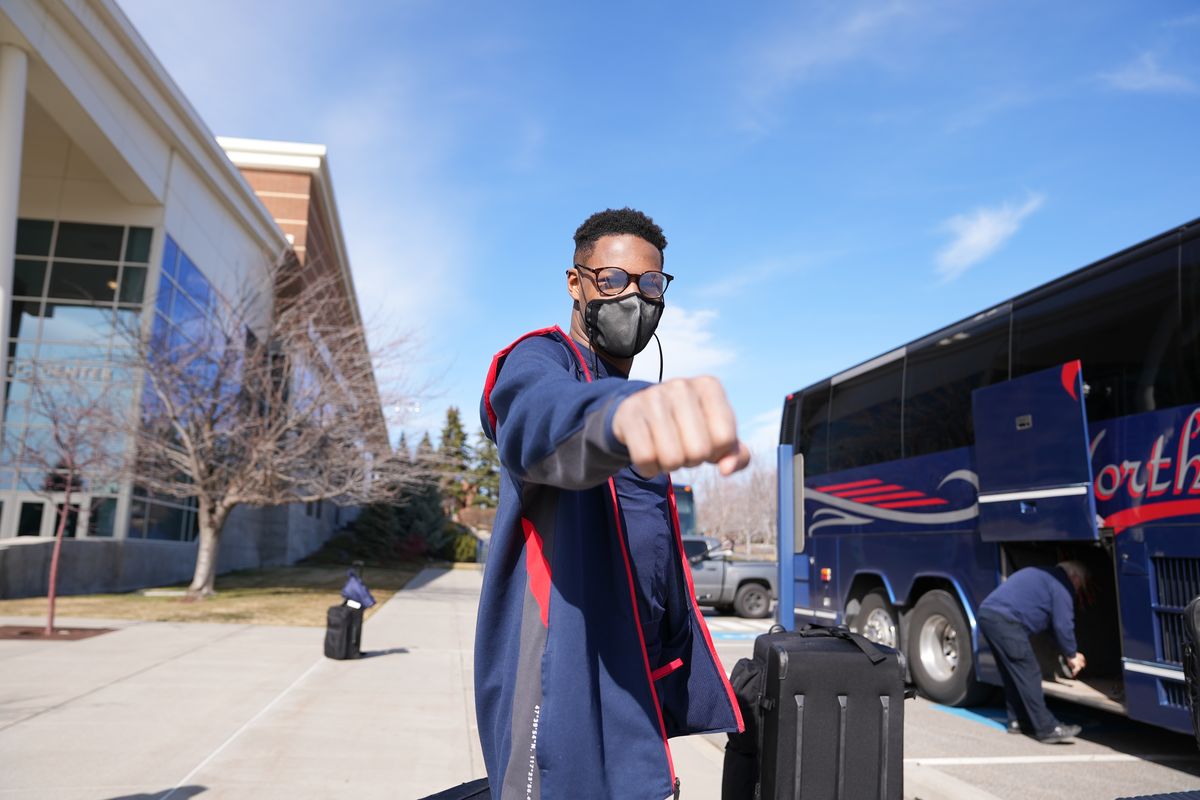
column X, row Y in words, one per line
column 753, row 600
column 876, row 620
column 939, row 651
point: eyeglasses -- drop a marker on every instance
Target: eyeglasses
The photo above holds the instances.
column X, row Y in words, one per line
column 613, row 280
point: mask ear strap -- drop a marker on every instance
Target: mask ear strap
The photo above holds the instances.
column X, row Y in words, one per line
column 660, row 356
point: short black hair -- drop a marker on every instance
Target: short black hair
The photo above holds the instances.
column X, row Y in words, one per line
column 614, row 222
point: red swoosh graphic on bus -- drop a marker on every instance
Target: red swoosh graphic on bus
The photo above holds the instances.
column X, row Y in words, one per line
column 1135, row 516
column 1069, row 373
column 881, row 495
column 929, row 501
column 864, row 494
column 837, row 487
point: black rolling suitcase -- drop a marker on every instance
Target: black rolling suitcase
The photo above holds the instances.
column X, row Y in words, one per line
column 824, row 709
column 1191, row 662
column 343, row 631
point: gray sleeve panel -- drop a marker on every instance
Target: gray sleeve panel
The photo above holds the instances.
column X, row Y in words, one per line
column 586, row 458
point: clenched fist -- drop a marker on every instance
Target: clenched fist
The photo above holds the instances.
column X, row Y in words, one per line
column 683, row 422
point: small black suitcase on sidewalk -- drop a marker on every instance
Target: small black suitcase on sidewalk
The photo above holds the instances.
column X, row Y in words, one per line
column 831, row 719
column 343, row 632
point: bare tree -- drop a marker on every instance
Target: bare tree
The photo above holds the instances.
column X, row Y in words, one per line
column 76, row 448
column 739, row 508
column 271, row 398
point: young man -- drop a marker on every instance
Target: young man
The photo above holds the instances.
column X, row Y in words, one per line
column 1033, row 600
column 590, row 650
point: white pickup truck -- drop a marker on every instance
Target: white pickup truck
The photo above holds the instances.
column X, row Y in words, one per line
column 745, row 588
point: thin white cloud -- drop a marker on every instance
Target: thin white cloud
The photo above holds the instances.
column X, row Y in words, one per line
column 820, row 39
column 690, row 347
column 761, row 435
column 1145, row 74
column 980, row 233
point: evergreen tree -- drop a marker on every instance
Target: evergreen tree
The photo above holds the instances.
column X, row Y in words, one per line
column 425, row 452
column 402, row 449
column 485, row 473
column 420, row 511
column 454, row 465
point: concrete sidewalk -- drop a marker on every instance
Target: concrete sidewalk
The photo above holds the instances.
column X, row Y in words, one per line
column 158, row 710
column 165, row 710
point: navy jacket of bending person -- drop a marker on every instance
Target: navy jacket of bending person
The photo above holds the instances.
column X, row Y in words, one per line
column 590, row 650
column 1040, row 599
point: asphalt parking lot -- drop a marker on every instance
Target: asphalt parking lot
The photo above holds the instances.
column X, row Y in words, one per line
column 966, row 754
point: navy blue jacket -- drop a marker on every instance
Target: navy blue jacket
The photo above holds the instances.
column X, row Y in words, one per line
column 1039, row 599
column 590, row 650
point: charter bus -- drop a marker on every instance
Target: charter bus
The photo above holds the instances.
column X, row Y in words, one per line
column 1063, row 423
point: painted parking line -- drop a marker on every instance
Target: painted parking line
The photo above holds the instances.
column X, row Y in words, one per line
column 1095, row 758
column 981, row 715
column 728, row 635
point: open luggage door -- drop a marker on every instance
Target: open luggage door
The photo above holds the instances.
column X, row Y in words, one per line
column 1031, row 455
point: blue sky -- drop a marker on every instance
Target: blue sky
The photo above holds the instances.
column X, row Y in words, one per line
column 835, row 178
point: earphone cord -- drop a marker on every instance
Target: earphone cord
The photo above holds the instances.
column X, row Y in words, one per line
column 660, row 356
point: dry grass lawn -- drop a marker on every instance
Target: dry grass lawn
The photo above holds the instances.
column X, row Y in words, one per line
column 277, row 596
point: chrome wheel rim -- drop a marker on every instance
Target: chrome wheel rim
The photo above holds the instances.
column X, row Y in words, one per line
column 879, row 627
column 755, row 602
column 937, row 644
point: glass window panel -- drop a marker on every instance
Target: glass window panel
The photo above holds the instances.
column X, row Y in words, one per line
column 189, row 526
column 814, row 430
column 78, row 240
column 192, row 281
column 1189, row 386
column 22, row 351
column 170, row 260
column 128, row 321
column 67, row 323
column 164, row 522
column 31, row 479
column 23, row 324
column 7, row 478
column 33, row 237
column 137, row 519
column 10, row 444
column 17, row 391
column 72, row 520
column 36, row 447
column 187, row 317
column 15, row 413
column 137, row 247
column 166, row 294
column 864, row 418
column 94, row 282
column 1122, row 324
column 103, row 517
column 29, row 277
column 50, row 352
column 30, row 521
column 133, row 284
column 939, row 380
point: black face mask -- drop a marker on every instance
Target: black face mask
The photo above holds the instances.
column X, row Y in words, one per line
column 622, row 326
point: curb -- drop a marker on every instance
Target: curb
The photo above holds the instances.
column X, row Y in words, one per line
column 926, row 783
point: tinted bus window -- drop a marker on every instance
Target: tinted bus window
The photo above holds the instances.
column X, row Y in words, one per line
column 864, row 418
column 1189, row 388
column 814, row 430
column 939, row 378
column 1122, row 324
